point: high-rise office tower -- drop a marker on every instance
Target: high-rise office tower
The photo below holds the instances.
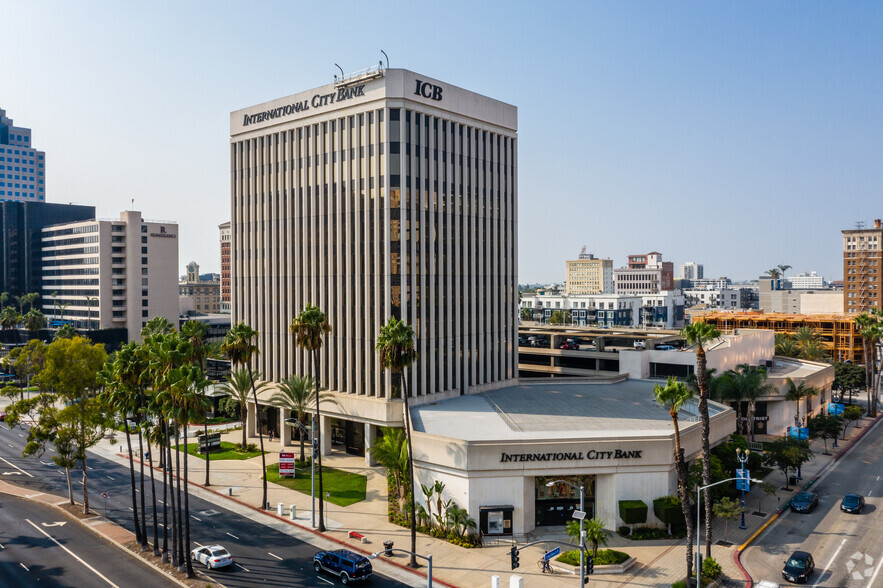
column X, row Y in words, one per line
column 384, row 194
column 22, row 168
column 225, row 234
column 862, row 268
column 589, row 275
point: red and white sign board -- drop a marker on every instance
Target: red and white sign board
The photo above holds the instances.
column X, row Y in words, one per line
column 286, row 464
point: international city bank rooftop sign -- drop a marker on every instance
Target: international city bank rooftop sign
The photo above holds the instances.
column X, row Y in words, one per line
column 424, row 89
column 572, row 455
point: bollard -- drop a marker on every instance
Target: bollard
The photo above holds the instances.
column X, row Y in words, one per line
column 516, row 582
column 495, row 581
column 230, row 491
column 280, row 509
column 293, row 511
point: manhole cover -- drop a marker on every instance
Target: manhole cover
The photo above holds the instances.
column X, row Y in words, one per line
column 209, row 513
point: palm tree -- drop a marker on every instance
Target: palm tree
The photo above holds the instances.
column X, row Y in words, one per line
column 725, row 388
column 34, row 320
column 596, row 534
column 309, row 329
column 752, row 384
column 239, row 347
column 428, row 491
column 237, row 386
column 158, row 325
column 391, row 451
column 195, row 332
column 783, row 268
column 673, row 396
column 64, row 332
column 699, row 334
column 873, row 333
column 798, row 392
column 9, row 318
column 296, row 395
column 395, row 344
column 90, row 300
column 774, row 273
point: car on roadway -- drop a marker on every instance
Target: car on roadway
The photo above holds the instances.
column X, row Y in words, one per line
column 665, row 347
column 212, row 556
column 805, row 502
column 852, row 503
column 2, row 416
column 569, row 344
column 343, row 563
column 799, row 567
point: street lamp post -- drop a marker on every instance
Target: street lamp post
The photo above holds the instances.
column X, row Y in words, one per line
column 742, row 456
column 582, row 534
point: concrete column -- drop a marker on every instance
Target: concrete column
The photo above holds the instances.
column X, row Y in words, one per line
column 326, row 436
column 251, row 420
column 370, row 438
column 284, row 429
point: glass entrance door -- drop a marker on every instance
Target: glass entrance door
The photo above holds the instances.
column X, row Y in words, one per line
column 555, row 504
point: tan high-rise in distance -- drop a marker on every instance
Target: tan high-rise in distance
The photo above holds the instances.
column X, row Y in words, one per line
column 589, row 275
column 862, row 268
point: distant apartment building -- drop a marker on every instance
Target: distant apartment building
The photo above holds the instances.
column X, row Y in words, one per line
column 21, row 256
column 862, row 268
column 807, row 281
column 724, row 298
column 663, row 310
column 692, row 271
column 198, row 295
column 589, row 275
column 110, row 274
column 225, row 265
column 645, row 274
column 22, row 168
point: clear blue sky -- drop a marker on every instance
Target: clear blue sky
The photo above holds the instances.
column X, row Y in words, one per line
column 740, row 135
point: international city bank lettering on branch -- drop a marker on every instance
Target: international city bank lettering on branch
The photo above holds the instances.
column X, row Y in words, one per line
column 571, row 456
column 424, row 89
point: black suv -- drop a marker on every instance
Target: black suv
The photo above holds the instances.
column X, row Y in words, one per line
column 347, row 565
column 799, row 567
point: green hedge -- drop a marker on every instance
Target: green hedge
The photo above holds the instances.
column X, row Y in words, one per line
column 668, row 510
column 633, row 512
column 604, row 557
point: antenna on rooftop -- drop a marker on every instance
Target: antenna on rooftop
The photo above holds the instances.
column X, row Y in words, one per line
column 859, row 225
column 387, row 58
column 583, row 250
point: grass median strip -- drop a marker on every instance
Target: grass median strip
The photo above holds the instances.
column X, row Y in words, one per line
column 345, row 488
column 227, row 451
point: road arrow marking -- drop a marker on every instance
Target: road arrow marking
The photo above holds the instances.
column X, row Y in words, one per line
column 56, row 524
column 72, row 554
column 16, row 467
column 11, row 473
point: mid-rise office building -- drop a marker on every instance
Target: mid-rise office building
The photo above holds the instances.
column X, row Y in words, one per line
column 104, row 274
column 224, row 229
column 384, row 194
column 692, row 271
column 22, row 168
column 645, row 274
column 199, row 294
column 807, row 281
column 862, row 268
column 589, row 275
column 21, row 254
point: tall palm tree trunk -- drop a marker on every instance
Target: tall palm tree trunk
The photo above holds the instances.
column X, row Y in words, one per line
column 187, row 507
column 243, row 416
column 257, row 414
column 702, row 380
column 153, row 499
column 207, row 452
column 318, row 436
column 165, row 487
column 179, row 528
column 300, row 435
column 139, row 537
column 413, row 562
column 172, row 501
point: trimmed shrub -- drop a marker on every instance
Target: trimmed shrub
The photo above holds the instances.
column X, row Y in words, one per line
column 710, row 570
column 604, row 557
column 633, row 512
column 668, row 510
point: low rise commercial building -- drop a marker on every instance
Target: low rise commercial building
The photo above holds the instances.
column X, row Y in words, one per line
column 645, row 274
column 589, row 275
column 198, row 295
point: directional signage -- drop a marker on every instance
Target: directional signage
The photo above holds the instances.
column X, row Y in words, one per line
column 286, row 464
column 550, row 554
column 743, row 480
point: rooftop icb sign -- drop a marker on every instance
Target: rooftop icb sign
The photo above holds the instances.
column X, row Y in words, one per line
column 286, row 465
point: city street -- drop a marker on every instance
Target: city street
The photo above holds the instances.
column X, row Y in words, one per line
column 263, row 555
column 846, row 547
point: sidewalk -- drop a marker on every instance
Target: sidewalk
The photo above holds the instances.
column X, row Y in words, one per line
column 659, row 563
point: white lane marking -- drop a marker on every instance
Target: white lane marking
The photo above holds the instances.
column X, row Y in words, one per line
column 876, row 571
column 132, row 509
column 234, row 536
column 326, row 581
column 274, row 555
column 24, row 566
column 20, row 435
column 830, row 561
column 72, row 554
column 18, row 468
column 90, row 468
column 197, row 518
column 198, row 543
column 45, row 462
column 110, row 478
column 244, row 569
column 1, row 546
column 160, row 501
column 11, row 445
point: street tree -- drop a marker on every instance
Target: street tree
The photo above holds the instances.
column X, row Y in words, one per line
column 798, row 392
column 822, row 426
column 851, row 414
column 786, row 454
column 848, row 377
column 296, row 395
column 196, row 332
column 238, row 386
column 728, row 510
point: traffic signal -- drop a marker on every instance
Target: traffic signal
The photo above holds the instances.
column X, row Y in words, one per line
column 513, row 554
column 590, row 566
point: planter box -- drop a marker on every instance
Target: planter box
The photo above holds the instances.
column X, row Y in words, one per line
column 617, row 569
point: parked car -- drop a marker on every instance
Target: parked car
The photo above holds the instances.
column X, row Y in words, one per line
column 805, row 502
column 212, row 556
column 345, row 564
column 639, row 344
column 852, row 503
column 2, row 416
column 665, row 347
column 799, row 567
column 569, row 344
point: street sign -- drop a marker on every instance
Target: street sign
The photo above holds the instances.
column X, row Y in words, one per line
column 286, row 464
column 579, row 514
column 835, row 409
column 550, row 554
column 800, row 433
column 743, row 480
column 105, row 495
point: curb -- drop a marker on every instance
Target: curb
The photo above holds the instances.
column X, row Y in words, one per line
column 349, row 546
column 110, row 540
column 738, row 555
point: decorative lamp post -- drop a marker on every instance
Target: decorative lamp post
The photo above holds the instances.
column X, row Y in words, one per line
column 582, row 534
column 742, row 456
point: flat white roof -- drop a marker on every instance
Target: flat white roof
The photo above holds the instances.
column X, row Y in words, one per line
column 555, row 410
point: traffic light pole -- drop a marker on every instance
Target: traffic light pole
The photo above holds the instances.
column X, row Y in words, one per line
column 582, row 548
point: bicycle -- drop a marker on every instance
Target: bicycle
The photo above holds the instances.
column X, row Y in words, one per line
column 544, row 566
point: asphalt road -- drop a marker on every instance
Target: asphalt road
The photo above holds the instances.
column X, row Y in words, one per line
column 847, row 549
column 42, row 547
column 262, row 555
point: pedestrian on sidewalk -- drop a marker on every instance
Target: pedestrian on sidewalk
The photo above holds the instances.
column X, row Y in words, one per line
column 271, row 435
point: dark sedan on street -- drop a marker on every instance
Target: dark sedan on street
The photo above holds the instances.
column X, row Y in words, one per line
column 805, row 502
column 852, row 503
column 799, row 567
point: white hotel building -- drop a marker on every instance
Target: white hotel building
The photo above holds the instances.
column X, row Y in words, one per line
column 384, row 194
